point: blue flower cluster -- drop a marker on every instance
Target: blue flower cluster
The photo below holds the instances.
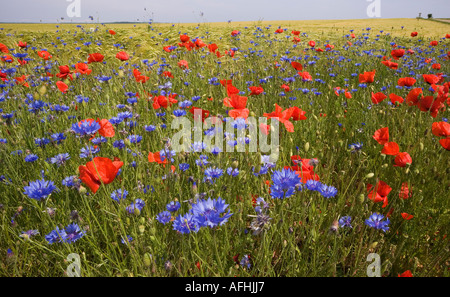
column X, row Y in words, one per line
column 70, row 234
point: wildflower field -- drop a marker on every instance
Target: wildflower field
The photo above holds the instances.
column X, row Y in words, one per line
column 89, row 166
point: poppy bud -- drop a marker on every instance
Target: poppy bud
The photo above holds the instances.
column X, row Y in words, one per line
column 127, row 141
column 42, row 90
column 307, row 147
column 137, row 212
column 252, row 114
column 416, row 171
column 370, row 175
column 142, row 220
column 141, row 228
column 147, row 259
column 234, row 164
column 385, row 165
column 361, row 198
column 127, row 221
column 421, row 146
column 373, row 245
column 82, row 190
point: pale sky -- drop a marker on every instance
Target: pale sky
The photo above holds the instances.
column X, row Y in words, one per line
column 178, row 11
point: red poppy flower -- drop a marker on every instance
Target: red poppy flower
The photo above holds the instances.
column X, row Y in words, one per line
column 378, row 97
column 413, row 96
column 312, row 43
column 414, row 34
column 434, row 43
column 436, row 66
column 64, row 72
column 390, row 64
column 440, row 129
column 406, row 81
column 319, row 50
column 305, row 76
column 405, row 193
column 232, row 90
column 445, row 142
column 381, row 135
column 429, row 103
column 395, row 98
column 410, row 52
column 265, row 129
column 4, row 48
column 238, row 103
column 112, row 32
column 106, row 128
column 390, row 148
column 406, row 216
column 447, row 35
column 199, row 43
column 407, row 273
column 279, row 30
column 285, row 87
column 156, row 157
column 297, row 66
column 82, row 68
column 235, row 33
column 183, row 64
column 167, row 74
column 212, row 47
column 282, row 116
column 44, row 55
column 397, row 53
column 139, row 77
column 163, row 101
column 303, row 168
column 95, row 57
column 296, row 33
column 123, row 56
column 256, row 90
column 21, row 80
column 431, row 78
column 296, row 39
column 198, row 112
column 184, row 38
column 22, row 44
column 99, row 170
column 402, row 159
column 62, row 86
column 367, row 77
column 380, row 193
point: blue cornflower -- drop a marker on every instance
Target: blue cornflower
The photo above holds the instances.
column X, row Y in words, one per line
column 42, row 142
column 118, row 194
column 60, row 159
column 73, row 233
column 313, row 185
column 149, row 128
column 134, row 138
column 164, row 217
column 202, row 160
column 128, row 239
column 173, row 206
column 376, row 221
column 327, row 191
column 56, row 235
column 58, row 137
column 245, row 261
column 233, row 171
column 31, row 158
column 87, row 151
column 99, row 140
column 284, row 183
column 39, row 189
column 345, row 222
column 29, row 233
column 120, row 144
column 85, row 127
column 138, row 204
column 208, row 212
column 184, row 166
column 179, row 112
column 355, row 147
column 185, row 224
column 212, row 173
column 71, row 181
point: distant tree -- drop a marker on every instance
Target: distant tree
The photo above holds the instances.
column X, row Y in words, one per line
column 420, row 14
column 430, row 15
